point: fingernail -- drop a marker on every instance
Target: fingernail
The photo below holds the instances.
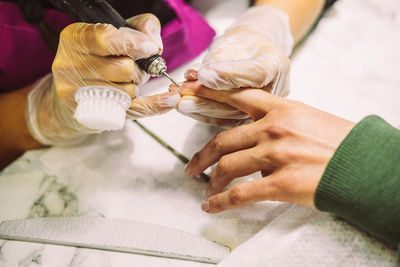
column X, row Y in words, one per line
column 173, row 87
column 205, row 206
column 188, row 170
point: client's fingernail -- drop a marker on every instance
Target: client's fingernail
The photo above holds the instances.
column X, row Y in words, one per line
column 205, row 206
column 173, row 87
column 188, row 170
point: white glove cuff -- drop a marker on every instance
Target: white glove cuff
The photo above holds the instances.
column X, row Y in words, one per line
column 271, row 22
column 49, row 121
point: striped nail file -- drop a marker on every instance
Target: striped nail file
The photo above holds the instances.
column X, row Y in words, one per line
column 115, row 235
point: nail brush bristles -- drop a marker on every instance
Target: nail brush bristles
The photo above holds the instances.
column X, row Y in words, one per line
column 101, row 108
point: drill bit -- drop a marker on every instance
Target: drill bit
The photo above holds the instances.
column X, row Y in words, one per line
column 170, row 78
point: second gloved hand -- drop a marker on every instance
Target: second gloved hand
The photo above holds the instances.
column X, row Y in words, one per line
column 95, row 54
column 252, row 53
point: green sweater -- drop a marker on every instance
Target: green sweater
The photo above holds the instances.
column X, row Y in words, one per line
column 362, row 180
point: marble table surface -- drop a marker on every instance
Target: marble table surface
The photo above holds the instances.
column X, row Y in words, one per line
column 348, row 66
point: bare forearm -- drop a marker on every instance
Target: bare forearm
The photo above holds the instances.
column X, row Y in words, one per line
column 15, row 137
column 302, row 13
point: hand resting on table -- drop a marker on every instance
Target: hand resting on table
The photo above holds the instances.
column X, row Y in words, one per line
column 289, row 142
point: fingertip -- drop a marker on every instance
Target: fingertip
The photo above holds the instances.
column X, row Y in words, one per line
column 215, row 204
column 209, row 77
column 191, row 75
column 205, row 206
column 152, row 24
column 191, row 167
column 149, row 24
column 188, row 170
column 143, row 106
column 146, row 21
column 173, row 87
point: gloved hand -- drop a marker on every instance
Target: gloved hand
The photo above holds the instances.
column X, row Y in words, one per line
column 95, row 54
column 252, row 53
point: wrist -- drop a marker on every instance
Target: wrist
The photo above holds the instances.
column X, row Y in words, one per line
column 15, row 137
column 48, row 120
column 361, row 182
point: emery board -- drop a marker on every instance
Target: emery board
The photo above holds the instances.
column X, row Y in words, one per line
column 115, row 235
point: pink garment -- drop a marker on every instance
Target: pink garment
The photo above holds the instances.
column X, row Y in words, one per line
column 186, row 36
column 25, row 57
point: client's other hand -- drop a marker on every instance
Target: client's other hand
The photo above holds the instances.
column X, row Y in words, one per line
column 289, row 142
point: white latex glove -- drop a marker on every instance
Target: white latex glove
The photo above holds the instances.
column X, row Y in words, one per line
column 252, row 53
column 95, row 54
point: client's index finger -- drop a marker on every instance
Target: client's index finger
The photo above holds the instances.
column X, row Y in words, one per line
column 253, row 101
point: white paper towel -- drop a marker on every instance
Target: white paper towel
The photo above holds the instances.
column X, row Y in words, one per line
column 303, row 236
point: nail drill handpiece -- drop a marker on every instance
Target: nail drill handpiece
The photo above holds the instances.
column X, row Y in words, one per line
column 100, row 11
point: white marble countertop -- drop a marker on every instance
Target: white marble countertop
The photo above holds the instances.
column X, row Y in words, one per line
column 348, row 66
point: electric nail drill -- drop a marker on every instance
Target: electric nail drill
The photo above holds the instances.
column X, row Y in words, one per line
column 90, row 112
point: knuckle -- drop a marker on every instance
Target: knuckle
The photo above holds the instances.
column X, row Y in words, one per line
column 222, row 167
column 275, row 130
column 102, row 34
column 67, row 31
column 126, row 66
column 216, row 143
column 129, row 89
column 101, row 39
column 273, row 151
column 236, row 195
column 277, row 153
column 281, row 58
column 57, row 64
column 151, row 19
column 277, row 187
column 259, row 80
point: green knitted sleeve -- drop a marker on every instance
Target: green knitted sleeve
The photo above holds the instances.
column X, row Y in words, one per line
column 362, row 180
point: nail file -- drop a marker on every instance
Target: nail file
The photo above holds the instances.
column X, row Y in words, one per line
column 115, row 235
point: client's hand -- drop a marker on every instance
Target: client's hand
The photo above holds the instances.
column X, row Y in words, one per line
column 289, row 142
